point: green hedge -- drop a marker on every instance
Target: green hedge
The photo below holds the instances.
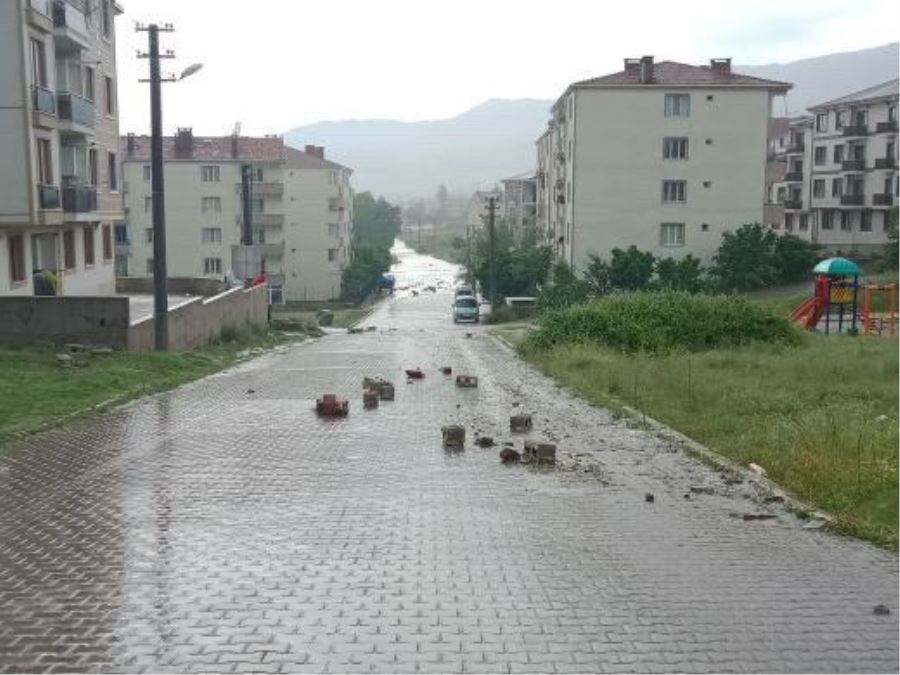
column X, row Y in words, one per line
column 658, row 322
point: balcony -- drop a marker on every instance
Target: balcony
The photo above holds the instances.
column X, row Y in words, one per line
column 69, row 27
column 853, row 200
column 266, row 189
column 264, row 219
column 885, row 199
column 793, row 177
column 886, row 127
column 793, row 204
column 43, row 105
column 796, row 148
column 48, row 196
column 853, row 165
column 271, row 250
column 885, row 163
column 77, row 112
column 39, row 15
column 856, row 130
column 79, row 199
column 336, row 204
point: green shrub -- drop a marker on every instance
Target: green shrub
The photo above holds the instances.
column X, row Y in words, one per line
column 663, row 321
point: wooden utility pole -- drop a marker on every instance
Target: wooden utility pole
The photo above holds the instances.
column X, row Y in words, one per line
column 492, row 208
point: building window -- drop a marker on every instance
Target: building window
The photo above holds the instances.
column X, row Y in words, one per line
column 260, row 237
column 838, row 120
column 865, row 221
column 704, row 227
column 332, row 254
column 148, row 172
column 38, row 63
column 107, row 243
column 45, row 161
column 846, row 220
column 258, row 205
column 837, row 187
column 88, row 232
column 804, row 222
column 212, row 266
column 259, row 175
column 17, row 258
column 113, row 169
column 110, row 91
column 818, row 188
column 148, row 204
column 821, row 122
column 148, row 235
column 93, row 169
column 209, row 174
column 211, row 204
column 827, row 220
column 820, row 155
column 675, row 148
column 211, row 235
column 674, row 191
column 889, row 150
column 105, row 18
column 671, row 234
column 69, row 249
column 788, row 222
column 892, row 113
column 333, row 229
column 838, row 154
column 149, row 268
column 678, row 105
column 861, row 117
column 89, row 85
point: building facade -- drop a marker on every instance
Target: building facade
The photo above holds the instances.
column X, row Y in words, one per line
column 301, row 211
column 60, row 186
column 664, row 156
column 520, row 200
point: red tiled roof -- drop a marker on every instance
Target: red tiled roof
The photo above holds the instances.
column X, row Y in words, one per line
column 670, row 73
column 297, row 159
column 211, row 148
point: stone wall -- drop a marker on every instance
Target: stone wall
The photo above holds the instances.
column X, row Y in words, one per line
column 195, row 323
column 84, row 320
column 174, row 285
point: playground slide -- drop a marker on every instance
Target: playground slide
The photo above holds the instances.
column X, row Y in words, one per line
column 808, row 313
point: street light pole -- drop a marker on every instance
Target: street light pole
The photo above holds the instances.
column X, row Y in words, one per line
column 160, row 291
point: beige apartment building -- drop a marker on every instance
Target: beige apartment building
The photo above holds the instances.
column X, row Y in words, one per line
column 840, row 175
column 665, row 156
column 59, row 179
column 301, row 211
column 520, row 200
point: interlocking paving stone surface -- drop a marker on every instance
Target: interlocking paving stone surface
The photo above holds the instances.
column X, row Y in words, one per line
column 211, row 529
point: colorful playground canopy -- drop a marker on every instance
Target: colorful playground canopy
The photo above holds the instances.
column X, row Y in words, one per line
column 837, row 267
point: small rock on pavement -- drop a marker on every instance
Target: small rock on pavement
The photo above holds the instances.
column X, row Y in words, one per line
column 702, row 490
column 251, row 391
column 649, row 498
column 758, row 516
column 508, row 455
column 102, row 351
column 757, row 469
column 881, row 610
column 64, row 360
column 484, row 442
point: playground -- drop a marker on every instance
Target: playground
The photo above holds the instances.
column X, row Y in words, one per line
column 841, row 304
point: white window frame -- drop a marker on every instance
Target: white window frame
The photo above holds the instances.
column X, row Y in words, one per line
column 677, row 105
column 147, row 171
column 210, row 174
column 675, row 148
column 212, row 266
column 211, row 235
column 674, row 191
column 671, row 234
column 211, row 204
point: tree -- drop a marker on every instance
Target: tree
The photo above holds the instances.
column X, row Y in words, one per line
column 630, row 270
column 376, row 223
column 442, row 197
column 596, row 275
column 519, row 270
column 679, row 275
column 793, row 258
column 889, row 253
column 745, row 259
column 565, row 290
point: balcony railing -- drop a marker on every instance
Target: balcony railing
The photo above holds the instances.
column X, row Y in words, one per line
column 40, row 15
column 48, row 196
column 336, row 204
column 796, row 148
column 884, row 199
column 853, row 165
column 856, row 130
column 853, row 200
column 43, row 99
column 77, row 109
column 793, row 204
column 886, row 127
column 793, row 177
column 266, row 189
column 885, row 163
column 79, row 198
column 264, row 219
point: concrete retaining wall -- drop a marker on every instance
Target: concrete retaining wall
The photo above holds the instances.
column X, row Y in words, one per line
column 174, row 285
column 195, row 323
column 61, row 320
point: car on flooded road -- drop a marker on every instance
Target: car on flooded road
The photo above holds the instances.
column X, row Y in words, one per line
column 465, row 308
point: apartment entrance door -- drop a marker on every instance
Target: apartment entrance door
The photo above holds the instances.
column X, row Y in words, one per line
column 45, row 263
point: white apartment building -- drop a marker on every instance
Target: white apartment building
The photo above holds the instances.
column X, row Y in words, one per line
column 788, row 207
column 59, row 178
column 520, row 200
column 301, row 211
column 665, row 156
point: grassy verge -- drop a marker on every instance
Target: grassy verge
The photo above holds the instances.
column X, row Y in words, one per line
column 821, row 418
column 35, row 393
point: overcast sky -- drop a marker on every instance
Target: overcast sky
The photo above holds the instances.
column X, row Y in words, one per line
column 276, row 64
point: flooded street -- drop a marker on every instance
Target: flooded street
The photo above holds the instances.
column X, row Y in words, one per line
column 224, row 527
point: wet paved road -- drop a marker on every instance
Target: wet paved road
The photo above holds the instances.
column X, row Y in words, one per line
column 212, row 529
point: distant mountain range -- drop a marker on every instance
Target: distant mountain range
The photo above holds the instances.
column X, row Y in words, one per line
column 494, row 140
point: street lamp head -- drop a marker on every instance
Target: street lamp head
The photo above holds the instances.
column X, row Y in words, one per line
column 190, row 70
